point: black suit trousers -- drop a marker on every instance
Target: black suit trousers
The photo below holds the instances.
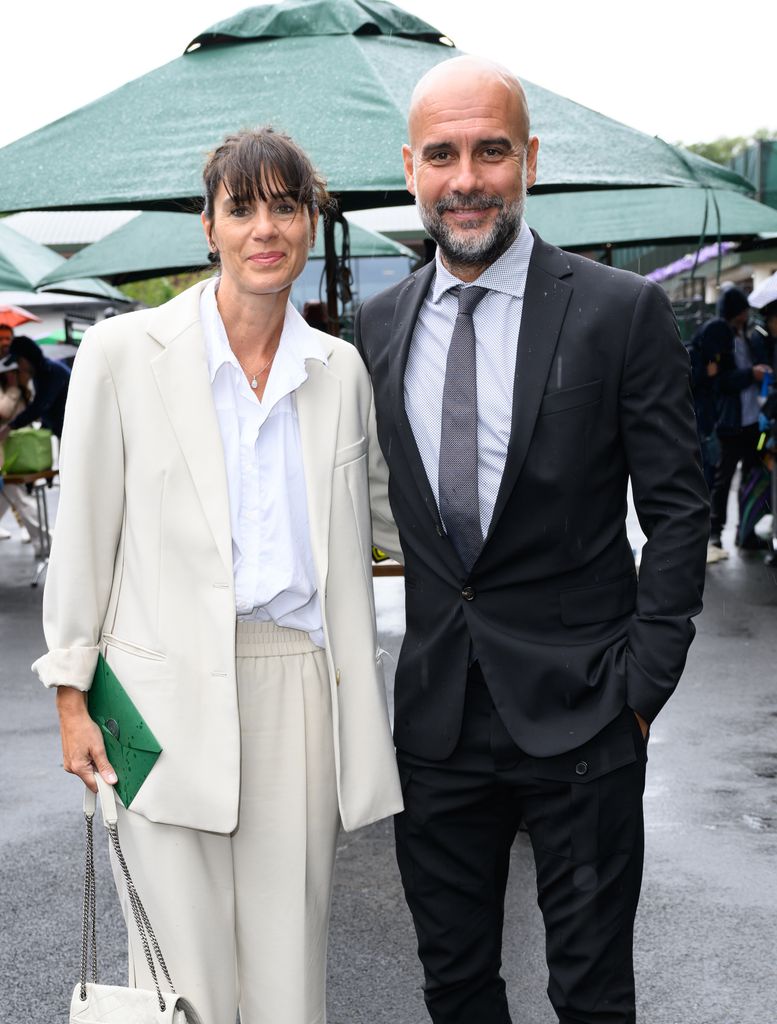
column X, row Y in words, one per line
column 583, row 812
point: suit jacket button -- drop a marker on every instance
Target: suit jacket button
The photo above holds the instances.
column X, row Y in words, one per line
column 581, row 768
column 468, row 594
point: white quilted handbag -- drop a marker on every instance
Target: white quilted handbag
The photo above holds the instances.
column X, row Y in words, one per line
column 113, row 1004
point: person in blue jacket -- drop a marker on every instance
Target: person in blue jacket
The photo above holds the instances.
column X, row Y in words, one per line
column 741, row 368
column 50, row 380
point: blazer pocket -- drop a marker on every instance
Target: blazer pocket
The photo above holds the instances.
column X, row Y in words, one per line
column 129, row 648
column 571, row 398
column 583, row 606
column 351, row 452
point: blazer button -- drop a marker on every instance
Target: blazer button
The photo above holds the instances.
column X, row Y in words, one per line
column 468, row 594
column 581, row 767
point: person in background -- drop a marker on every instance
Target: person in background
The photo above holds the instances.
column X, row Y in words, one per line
column 704, row 351
column 6, row 337
column 50, row 381
column 213, row 543
column 741, row 368
column 13, row 399
column 766, row 335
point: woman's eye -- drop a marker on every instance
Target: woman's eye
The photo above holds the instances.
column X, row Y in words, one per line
column 239, row 211
column 284, row 209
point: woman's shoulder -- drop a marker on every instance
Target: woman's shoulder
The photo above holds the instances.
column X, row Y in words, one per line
column 123, row 334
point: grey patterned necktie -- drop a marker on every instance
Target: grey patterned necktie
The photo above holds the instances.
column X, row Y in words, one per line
column 458, row 470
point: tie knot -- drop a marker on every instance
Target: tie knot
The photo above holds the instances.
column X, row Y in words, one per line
column 469, row 298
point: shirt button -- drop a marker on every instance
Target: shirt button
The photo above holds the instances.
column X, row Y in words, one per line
column 468, row 594
column 581, row 768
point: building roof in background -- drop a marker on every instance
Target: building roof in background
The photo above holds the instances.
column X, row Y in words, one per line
column 66, row 228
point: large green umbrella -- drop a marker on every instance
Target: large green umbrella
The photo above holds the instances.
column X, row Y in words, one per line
column 337, row 75
column 647, row 216
column 24, row 262
column 156, row 243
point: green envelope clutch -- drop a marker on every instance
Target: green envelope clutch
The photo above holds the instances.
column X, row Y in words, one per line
column 131, row 746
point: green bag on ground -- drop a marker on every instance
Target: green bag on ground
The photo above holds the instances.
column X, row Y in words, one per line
column 27, row 450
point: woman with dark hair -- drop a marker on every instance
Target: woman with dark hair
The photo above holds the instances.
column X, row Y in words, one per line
column 50, row 379
column 213, row 543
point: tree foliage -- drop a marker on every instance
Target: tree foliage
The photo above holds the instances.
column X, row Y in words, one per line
column 156, row 290
column 722, row 149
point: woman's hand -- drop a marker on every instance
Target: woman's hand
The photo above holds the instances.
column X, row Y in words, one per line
column 83, row 750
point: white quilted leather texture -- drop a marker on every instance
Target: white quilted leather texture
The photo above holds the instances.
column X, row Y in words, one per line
column 113, row 1004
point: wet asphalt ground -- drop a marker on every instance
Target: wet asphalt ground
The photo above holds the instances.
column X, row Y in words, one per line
column 706, row 937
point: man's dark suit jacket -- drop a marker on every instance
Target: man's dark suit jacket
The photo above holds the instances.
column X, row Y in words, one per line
column 565, row 633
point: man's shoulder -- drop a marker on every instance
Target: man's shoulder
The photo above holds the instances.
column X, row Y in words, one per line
column 586, row 273
column 388, row 298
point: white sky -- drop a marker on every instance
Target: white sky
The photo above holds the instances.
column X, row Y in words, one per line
column 687, row 70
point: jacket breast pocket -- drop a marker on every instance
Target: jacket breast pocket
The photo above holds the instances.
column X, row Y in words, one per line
column 571, row 398
column 351, row 452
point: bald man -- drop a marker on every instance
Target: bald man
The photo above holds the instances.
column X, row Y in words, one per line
column 517, row 389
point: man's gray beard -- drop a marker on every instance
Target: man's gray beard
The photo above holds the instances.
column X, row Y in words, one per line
column 464, row 248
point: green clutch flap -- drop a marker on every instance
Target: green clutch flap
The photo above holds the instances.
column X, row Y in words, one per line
column 131, row 746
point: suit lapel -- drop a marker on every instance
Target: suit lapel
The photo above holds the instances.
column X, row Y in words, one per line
column 406, row 313
column 545, row 302
column 181, row 372
column 318, row 411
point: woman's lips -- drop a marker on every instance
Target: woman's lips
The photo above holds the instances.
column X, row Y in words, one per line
column 266, row 258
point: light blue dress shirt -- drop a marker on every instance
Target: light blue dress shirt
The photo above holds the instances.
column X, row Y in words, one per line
column 497, row 321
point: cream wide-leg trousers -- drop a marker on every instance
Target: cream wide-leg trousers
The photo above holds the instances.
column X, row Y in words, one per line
column 242, row 919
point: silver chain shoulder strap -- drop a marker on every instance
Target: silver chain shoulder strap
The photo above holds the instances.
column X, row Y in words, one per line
column 89, row 927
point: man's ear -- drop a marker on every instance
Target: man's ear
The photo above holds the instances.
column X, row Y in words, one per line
column 407, row 159
column 532, row 148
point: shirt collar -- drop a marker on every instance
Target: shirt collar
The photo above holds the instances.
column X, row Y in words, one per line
column 506, row 274
column 298, row 341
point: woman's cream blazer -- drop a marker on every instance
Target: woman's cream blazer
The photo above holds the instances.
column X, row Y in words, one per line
column 141, row 564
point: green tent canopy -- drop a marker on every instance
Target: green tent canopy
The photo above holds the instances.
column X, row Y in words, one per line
column 579, row 220
column 157, row 243
column 337, row 75
column 24, row 262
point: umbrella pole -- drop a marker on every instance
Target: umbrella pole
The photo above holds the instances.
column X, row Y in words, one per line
column 330, row 262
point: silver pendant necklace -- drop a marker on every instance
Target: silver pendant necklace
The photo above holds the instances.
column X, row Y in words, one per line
column 254, row 382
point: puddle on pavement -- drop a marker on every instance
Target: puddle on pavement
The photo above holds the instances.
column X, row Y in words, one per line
column 759, row 824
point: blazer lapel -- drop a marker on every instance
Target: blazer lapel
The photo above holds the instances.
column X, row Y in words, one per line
column 406, row 313
column 318, row 411
column 545, row 302
column 181, row 372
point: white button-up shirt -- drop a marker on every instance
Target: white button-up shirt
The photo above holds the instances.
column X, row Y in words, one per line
column 272, row 558
column 497, row 322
